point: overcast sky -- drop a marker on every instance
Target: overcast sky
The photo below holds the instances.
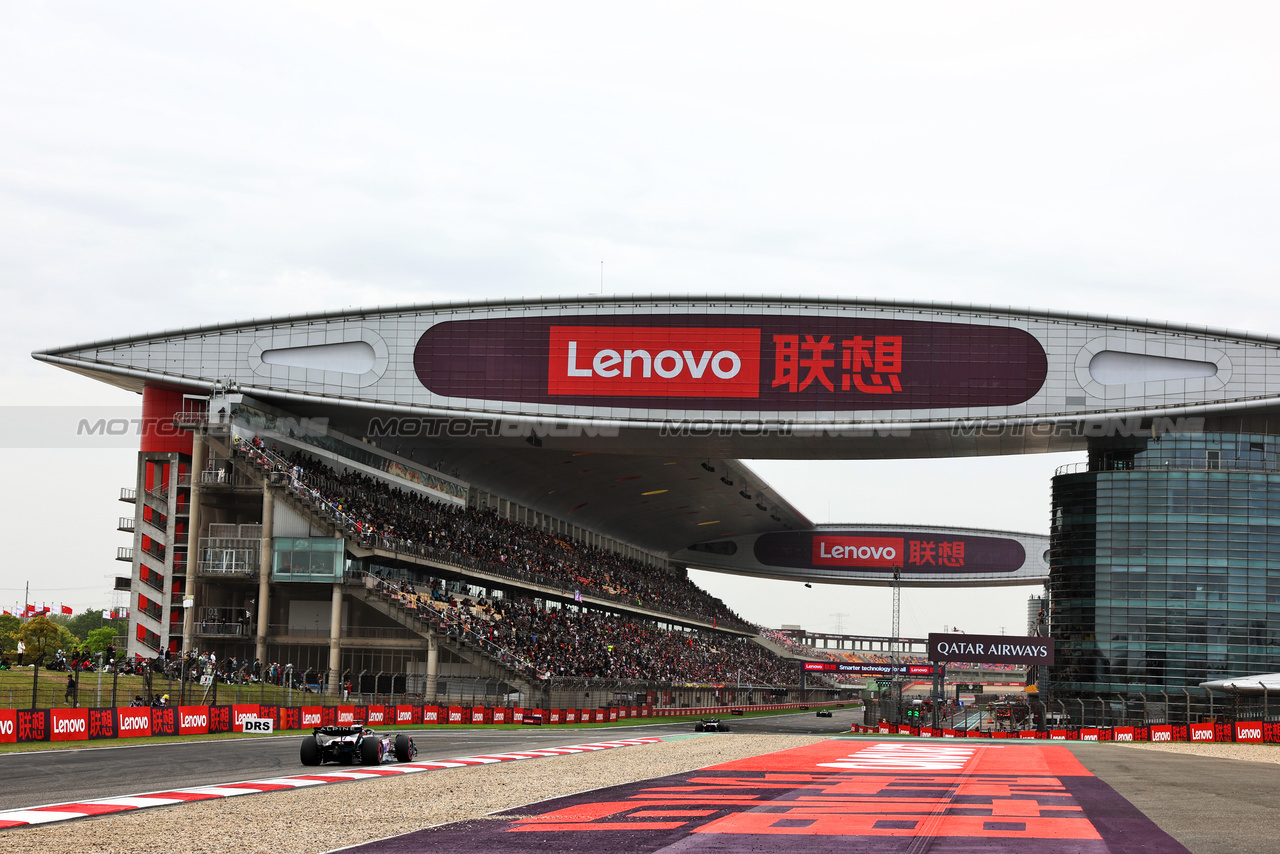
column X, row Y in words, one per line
column 168, row 165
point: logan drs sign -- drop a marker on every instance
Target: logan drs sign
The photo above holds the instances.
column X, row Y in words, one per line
column 990, row 649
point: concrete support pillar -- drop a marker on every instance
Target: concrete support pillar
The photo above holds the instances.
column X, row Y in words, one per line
column 265, row 557
column 433, row 669
column 335, row 642
column 193, row 542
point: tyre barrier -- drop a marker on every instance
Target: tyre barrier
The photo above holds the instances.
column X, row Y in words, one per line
column 1241, row 732
column 23, row 725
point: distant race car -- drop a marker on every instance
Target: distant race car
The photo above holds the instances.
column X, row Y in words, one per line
column 824, row 713
column 349, row 745
column 710, row 725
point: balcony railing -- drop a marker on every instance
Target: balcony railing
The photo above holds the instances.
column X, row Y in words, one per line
column 128, row 495
column 1101, row 466
column 125, row 524
column 124, row 553
column 378, row 632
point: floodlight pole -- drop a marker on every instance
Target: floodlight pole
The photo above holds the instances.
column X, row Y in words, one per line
column 894, row 657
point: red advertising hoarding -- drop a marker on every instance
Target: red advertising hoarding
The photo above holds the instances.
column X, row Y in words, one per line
column 193, row 720
column 68, row 724
column 134, row 721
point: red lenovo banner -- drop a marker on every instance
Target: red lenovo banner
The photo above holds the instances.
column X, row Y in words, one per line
column 290, row 718
column 431, row 714
column 219, row 719
column 33, row 725
column 102, row 723
column 456, row 714
column 758, row 363
column 501, row 715
column 1160, row 732
column 68, row 724
column 835, row 550
column 1202, row 732
column 193, row 719
column 8, row 726
column 133, row 721
column 405, row 715
column 312, row 717
column 571, row 716
column 376, row 715
column 164, row 721
column 344, row 715
column 240, row 713
column 637, row 361
column 1249, row 732
column 478, row 714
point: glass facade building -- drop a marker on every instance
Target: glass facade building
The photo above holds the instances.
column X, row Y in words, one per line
column 1165, row 566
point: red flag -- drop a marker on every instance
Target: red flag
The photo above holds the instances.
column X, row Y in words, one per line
column 6, row 613
column 44, row 609
column 66, row 609
column 29, row 610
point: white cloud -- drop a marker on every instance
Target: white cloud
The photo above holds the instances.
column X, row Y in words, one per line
column 169, row 166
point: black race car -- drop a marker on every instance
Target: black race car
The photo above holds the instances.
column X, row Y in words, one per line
column 349, row 745
column 824, row 713
column 710, row 725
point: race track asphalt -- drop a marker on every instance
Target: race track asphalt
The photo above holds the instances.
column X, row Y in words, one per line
column 1212, row 806
column 61, row 776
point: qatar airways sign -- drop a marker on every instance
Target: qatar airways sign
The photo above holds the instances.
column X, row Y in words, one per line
column 990, row 649
column 752, row 363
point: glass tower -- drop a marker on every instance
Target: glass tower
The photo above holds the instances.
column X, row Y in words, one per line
column 1165, row 567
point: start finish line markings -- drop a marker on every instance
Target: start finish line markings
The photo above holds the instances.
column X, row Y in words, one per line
column 66, row 812
column 834, row 796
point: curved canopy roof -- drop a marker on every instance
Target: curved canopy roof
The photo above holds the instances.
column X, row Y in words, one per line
column 625, row 413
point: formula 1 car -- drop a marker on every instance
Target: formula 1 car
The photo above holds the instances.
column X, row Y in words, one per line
column 351, row 744
column 710, row 725
column 824, row 713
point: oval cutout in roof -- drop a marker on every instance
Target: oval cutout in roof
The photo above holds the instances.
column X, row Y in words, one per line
column 1112, row 367
column 349, row 357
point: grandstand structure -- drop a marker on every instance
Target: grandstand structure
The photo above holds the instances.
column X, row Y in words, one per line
column 478, row 492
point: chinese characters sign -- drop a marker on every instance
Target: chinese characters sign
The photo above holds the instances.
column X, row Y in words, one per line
column 910, row 552
column 753, row 363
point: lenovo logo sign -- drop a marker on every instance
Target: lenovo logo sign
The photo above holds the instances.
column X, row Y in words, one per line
column 641, row 361
column 857, row 551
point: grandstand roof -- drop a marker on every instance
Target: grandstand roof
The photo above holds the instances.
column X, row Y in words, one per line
column 624, row 414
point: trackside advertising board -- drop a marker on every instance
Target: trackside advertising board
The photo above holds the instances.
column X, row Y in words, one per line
column 990, row 649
